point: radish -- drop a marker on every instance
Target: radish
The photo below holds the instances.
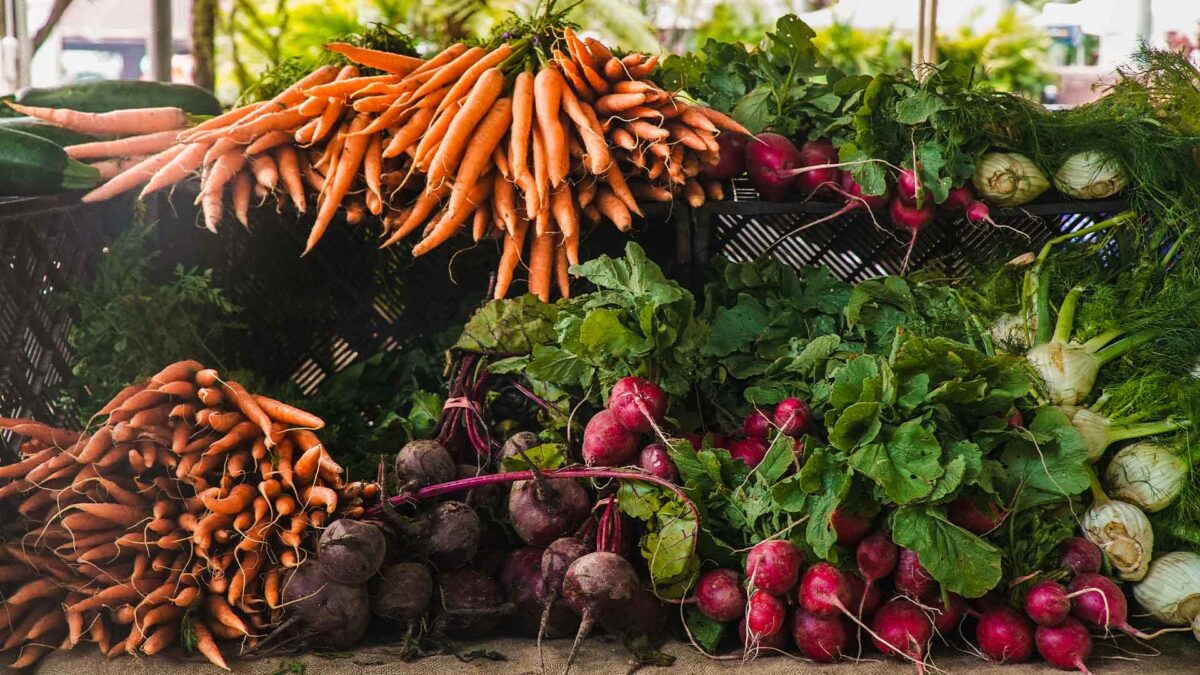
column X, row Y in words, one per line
column 606, row 442
column 764, row 615
column 900, row 628
column 876, row 556
column 773, row 643
column 906, row 188
column 946, row 617
column 978, row 213
column 773, row 566
column 757, row 424
column 792, row 417
column 911, row 578
column 817, row 153
column 957, row 200
column 769, row 159
column 850, row 527
column 820, row 638
column 1065, row 646
column 1047, row 603
column 731, row 157
column 542, row 513
column 866, row 598
column 1081, row 556
column 656, row 460
column 597, row 585
column 1016, row 420
column 855, row 198
column 637, row 404
column 749, row 451
column 911, row 219
column 1004, row 636
column 824, row 590
column 969, row 515
column 719, row 595
column 1097, row 600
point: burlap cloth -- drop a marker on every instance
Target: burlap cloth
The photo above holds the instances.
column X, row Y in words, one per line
column 605, row 656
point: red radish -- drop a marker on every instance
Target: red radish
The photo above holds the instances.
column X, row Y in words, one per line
column 1004, row 636
column 769, row 643
column 1047, row 603
column 764, row 615
column 989, row 601
column 773, row 566
column 946, row 617
column 749, row 451
column 911, row 219
column 902, row 629
column 876, row 557
column 719, row 595
column 911, row 578
column 1065, row 646
column 1081, row 556
column 655, row 459
column 978, row 213
column 906, row 188
column 866, row 598
column 721, row 441
column 817, row 153
column 697, row 440
column 731, row 154
column 855, row 198
column 850, row 527
column 607, row 443
column 979, row 515
column 1097, row 600
column 1016, row 420
column 757, row 424
column 638, row 404
column 792, row 416
column 824, row 590
column 820, row 638
column 957, row 200
column 769, row 159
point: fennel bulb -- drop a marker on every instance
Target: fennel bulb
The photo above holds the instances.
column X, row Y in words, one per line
column 1008, row 179
column 1090, row 175
column 1170, row 592
column 1147, row 475
column 1123, row 533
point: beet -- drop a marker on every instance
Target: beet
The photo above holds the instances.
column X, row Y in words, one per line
column 1081, row 556
column 472, row 603
column 325, row 613
column 769, row 158
column 522, row 441
column 521, row 578
column 720, row 596
column 421, row 464
column 1066, row 646
column 757, row 424
column 764, row 615
column 773, row 566
column 1047, row 603
column 820, row 638
column 598, row 587
column 490, row 496
column 749, row 451
column 351, row 551
column 607, row 443
column 538, row 523
column 656, row 460
column 732, row 157
column 644, row 616
column 850, row 527
column 792, row 417
column 911, row 579
column 555, row 562
column 1004, row 636
column 402, row 593
column 450, row 535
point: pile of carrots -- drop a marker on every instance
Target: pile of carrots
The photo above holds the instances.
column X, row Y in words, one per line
column 177, row 515
column 526, row 141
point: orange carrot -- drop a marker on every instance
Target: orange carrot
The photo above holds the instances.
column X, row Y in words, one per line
column 289, row 172
column 647, row 131
column 347, row 169
column 109, row 597
column 462, row 128
column 341, row 87
column 504, row 200
column 372, row 171
column 562, row 206
column 541, row 262
column 561, row 276
column 642, row 70
column 248, row 131
column 447, row 225
column 296, row 92
column 433, row 136
column 206, row 645
column 396, row 64
column 547, row 87
column 286, row 414
column 478, row 155
column 472, row 74
column 522, row 98
column 723, row 121
column 540, row 179
column 133, row 176
column 118, row 122
column 600, row 159
column 616, row 181
column 243, row 186
column 513, row 243
column 614, row 209
column 425, row 205
column 409, row 133
column 615, row 103
column 144, row 144
column 450, row 72
column 575, row 76
column 481, row 220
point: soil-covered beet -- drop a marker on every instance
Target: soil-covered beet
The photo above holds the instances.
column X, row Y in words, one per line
column 489, row 496
column 470, row 604
column 644, row 616
column 326, row 613
column 351, row 551
column 402, row 593
column 449, row 536
column 600, row 584
column 540, row 522
column 521, row 578
column 555, row 561
column 522, row 441
column 423, row 463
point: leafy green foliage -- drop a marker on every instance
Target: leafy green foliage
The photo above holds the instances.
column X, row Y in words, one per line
column 672, row 531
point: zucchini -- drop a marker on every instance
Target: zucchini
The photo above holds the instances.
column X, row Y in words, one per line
column 56, row 135
column 30, row 165
column 107, row 95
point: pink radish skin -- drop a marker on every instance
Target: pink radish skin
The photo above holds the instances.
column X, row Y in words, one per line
column 1066, row 646
column 637, row 404
column 947, row 617
column 906, row 188
column 902, row 629
column 773, row 566
column 720, row 596
column 1081, row 556
column 1097, row 600
column 1017, row 421
column 855, row 198
column 608, row 443
column 732, row 157
column 957, row 200
column 818, row 152
column 912, row 220
column 757, row 424
column 1004, row 636
column 876, row 556
column 820, row 638
column 749, row 451
column 1047, row 603
column 765, row 645
column 764, row 615
column 850, row 527
column 978, row 213
column 769, row 158
column 824, row 590
column 792, row 417
column 911, row 578
column 866, row 598
column 969, row 515
column 656, row 460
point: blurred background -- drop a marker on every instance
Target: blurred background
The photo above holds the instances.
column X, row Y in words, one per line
column 1052, row 51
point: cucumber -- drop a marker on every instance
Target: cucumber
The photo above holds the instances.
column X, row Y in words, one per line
column 34, row 166
column 108, row 95
column 56, row 135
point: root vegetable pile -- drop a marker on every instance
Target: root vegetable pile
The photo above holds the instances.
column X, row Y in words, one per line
column 178, row 512
column 526, row 141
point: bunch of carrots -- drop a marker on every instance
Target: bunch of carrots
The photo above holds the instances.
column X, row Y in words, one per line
column 178, row 514
column 526, row 141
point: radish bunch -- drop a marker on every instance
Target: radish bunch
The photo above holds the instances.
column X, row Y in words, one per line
column 613, row 437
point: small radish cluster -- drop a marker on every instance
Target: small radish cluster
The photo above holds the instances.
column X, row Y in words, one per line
column 791, row 417
column 614, row 436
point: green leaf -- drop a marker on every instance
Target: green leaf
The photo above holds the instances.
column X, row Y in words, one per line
column 781, row 456
column 559, row 366
column 906, row 465
column 789, row 494
column 960, row 561
column 857, row 425
column 756, row 109
column 509, row 326
column 602, row 331
column 1046, row 463
column 736, row 327
column 705, row 631
column 424, row 414
column 952, row 477
column 828, row 483
column 917, row 108
column 854, row 382
column 547, row 457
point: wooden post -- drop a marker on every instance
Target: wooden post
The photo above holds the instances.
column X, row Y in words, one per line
column 918, row 51
column 161, row 45
column 204, row 25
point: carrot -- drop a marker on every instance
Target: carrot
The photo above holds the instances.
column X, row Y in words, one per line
column 600, row 159
column 522, row 98
column 312, row 106
column 548, row 87
column 480, row 220
column 424, row 206
column 250, row 408
column 328, row 121
column 574, row 76
column 297, row 92
column 347, row 169
column 272, row 583
column 266, row 173
column 613, row 208
column 289, row 172
column 29, row 655
column 239, row 498
column 317, row 496
column 513, row 243
column 613, row 69
column 24, row 466
column 286, row 414
column 396, row 64
column 471, row 75
column 541, row 260
column 121, row 397
column 409, row 133
column 243, row 187
column 723, row 121
column 247, row 131
column 372, row 172
column 504, row 200
column 206, row 645
column 450, row 72
column 117, row 122
column 133, row 176
column 463, row 127
column 34, row 590
column 109, row 597
column 144, row 144
column 341, row 87
column 642, row 70
column 241, row 433
column 268, row 141
column 647, row 131
column 616, row 182
column 540, row 180
column 225, row 119
column 562, row 206
column 163, row 636
column 615, row 103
